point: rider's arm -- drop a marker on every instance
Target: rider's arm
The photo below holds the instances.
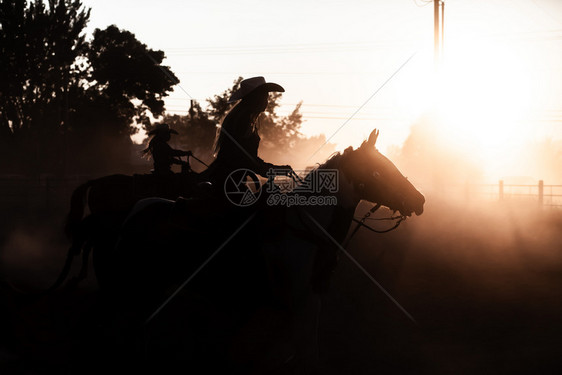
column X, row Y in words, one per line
column 240, row 151
column 263, row 167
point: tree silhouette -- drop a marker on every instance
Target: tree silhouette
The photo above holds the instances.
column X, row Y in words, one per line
column 67, row 104
column 126, row 82
column 198, row 129
column 126, row 70
column 218, row 104
column 39, row 49
column 196, row 133
column 281, row 139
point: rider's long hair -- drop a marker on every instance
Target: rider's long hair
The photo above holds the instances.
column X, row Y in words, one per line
column 244, row 114
column 147, row 152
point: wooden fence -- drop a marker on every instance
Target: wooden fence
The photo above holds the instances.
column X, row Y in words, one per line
column 541, row 194
column 544, row 195
column 53, row 192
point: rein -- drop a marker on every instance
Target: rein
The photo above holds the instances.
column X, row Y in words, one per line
column 199, row 160
column 361, row 223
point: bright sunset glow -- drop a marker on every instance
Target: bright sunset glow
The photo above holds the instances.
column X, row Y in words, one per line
column 485, row 99
column 481, row 98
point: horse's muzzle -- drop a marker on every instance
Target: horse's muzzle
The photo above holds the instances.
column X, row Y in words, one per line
column 419, row 206
column 413, row 206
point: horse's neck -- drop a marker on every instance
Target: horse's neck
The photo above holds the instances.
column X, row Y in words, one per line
column 348, row 199
column 336, row 219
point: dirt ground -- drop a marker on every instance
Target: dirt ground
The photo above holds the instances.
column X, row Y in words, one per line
column 482, row 281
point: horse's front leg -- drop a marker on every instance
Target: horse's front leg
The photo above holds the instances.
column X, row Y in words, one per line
column 297, row 262
column 305, row 334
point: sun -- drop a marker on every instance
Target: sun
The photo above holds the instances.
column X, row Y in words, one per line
column 482, row 96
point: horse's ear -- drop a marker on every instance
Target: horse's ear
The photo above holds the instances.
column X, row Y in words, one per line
column 373, row 138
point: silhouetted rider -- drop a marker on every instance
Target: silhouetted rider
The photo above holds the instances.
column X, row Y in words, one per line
column 164, row 155
column 238, row 140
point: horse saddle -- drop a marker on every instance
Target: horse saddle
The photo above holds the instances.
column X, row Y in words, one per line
column 197, row 212
column 169, row 186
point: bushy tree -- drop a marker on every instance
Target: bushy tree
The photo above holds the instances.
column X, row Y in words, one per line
column 40, row 45
column 39, row 48
column 196, row 133
column 281, row 139
column 125, row 82
column 125, row 71
column 64, row 99
column 218, row 105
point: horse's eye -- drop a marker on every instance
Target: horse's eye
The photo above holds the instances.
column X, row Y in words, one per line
column 376, row 174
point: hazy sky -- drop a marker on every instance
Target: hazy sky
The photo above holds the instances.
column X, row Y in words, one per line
column 503, row 56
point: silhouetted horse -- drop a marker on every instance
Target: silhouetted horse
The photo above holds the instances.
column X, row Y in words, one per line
column 109, row 199
column 249, row 277
column 117, row 193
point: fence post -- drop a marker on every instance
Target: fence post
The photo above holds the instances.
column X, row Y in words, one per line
column 501, row 190
column 541, row 193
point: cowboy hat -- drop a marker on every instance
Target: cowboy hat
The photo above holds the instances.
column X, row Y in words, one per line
column 250, row 85
column 162, row 128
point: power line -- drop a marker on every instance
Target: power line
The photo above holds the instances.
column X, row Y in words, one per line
column 305, row 117
column 304, row 104
column 352, row 44
column 390, row 117
column 295, row 48
column 296, row 73
column 545, row 35
column 554, row 113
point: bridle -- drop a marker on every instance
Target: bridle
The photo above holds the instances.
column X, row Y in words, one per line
column 398, row 219
column 361, row 223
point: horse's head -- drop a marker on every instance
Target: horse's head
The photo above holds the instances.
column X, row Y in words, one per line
column 376, row 179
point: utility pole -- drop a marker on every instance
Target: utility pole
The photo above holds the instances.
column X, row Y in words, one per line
column 191, row 109
column 442, row 28
column 438, row 30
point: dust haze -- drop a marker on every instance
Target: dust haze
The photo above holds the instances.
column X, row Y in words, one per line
column 481, row 277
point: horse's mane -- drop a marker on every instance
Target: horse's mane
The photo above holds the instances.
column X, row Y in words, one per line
column 331, row 163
